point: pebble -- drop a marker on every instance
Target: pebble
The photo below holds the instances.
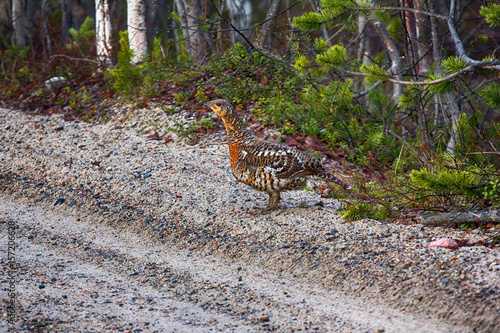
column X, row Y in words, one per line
column 59, row 201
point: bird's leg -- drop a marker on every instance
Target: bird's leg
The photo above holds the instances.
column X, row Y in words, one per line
column 274, row 199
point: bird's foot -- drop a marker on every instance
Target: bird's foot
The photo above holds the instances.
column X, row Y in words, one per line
column 265, row 210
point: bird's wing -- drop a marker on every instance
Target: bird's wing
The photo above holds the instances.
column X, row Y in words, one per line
column 279, row 160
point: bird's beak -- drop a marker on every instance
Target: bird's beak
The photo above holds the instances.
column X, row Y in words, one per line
column 207, row 105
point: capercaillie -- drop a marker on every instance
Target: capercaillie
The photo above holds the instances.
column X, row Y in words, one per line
column 266, row 166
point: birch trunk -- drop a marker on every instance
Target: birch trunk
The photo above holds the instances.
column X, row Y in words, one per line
column 393, row 52
column 20, row 23
column 264, row 31
column 103, row 32
column 363, row 54
column 48, row 41
column 194, row 39
column 239, row 13
column 136, row 26
column 423, row 31
column 67, row 19
column 181, row 40
column 5, row 15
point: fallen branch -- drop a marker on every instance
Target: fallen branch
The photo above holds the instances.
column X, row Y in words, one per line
column 457, row 218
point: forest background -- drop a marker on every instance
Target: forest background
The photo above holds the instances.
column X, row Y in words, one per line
column 403, row 95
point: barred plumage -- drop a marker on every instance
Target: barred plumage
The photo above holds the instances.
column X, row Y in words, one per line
column 266, row 166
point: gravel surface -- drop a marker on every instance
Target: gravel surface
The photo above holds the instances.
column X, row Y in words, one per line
column 120, row 231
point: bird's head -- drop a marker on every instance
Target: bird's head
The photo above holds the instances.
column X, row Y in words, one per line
column 221, row 107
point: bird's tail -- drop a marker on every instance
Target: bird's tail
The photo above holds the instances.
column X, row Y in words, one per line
column 328, row 177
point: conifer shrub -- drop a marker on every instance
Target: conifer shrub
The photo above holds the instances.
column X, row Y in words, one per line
column 126, row 76
column 81, row 39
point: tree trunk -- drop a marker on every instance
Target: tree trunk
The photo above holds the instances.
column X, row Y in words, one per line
column 136, row 26
column 408, row 20
column 423, row 31
column 364, row 53
column 48, row 41
column 21, row 23
column 454, row 111
column 67, row 19
column 194, row 39
column 152, row 8
column 393, row 52
column 264, row 31
column 181, row 44
column 5, row 15
column 103, row 32
column 239, row 11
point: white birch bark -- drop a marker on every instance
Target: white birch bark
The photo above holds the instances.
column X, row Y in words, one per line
column 264, row 31
column 45, row 28
column 423, row 30
column 195, row 42
column 19, row 24
column 240, row 12
column 396, row 62
column 136, row 25
column 103, row 32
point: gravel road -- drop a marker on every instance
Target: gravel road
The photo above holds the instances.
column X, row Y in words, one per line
column 119, row 231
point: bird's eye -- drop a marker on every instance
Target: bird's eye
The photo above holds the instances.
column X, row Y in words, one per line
column 218, row 104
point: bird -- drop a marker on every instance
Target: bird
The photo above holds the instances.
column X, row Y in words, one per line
column 267, row 166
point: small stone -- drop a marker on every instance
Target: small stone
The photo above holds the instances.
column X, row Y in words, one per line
column 64, row 296
column 55, row 82
column 59, row 201
column 41, row 286
column 264, row 319
column 59, row 128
